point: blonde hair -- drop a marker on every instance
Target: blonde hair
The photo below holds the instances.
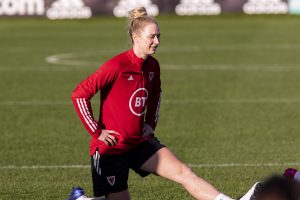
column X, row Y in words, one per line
column 138, row 18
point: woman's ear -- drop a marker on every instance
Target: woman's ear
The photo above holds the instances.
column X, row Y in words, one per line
column 134, row 37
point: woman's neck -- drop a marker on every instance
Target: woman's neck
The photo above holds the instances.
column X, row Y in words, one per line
column 138, row 53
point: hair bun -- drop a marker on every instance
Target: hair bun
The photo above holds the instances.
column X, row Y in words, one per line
column 137, row 19
column 137, row 12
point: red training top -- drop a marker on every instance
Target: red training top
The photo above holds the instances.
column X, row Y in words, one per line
column 130, row 95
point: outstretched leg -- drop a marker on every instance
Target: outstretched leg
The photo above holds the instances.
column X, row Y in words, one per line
column 164, row 163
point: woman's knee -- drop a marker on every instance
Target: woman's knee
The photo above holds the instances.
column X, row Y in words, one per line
column 184, row 173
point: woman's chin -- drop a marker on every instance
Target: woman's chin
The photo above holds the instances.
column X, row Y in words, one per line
column 152, row 51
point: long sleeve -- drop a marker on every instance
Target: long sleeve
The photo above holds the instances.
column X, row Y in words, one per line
column 85, row 90
column 153, row 104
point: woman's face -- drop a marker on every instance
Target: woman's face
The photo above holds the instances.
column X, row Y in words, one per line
column 147, row 40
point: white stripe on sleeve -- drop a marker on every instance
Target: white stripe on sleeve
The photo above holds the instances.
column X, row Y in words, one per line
column 82, row 112
column 89, row 114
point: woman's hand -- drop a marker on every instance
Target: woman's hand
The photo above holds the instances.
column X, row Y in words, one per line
column 109, row 137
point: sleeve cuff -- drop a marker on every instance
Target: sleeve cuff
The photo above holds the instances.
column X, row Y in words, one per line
column 97, row 133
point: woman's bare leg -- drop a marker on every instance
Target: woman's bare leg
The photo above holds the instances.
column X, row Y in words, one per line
column 164, row 163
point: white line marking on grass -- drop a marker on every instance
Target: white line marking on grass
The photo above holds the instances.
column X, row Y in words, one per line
column 34, row 103
column 232, row 101
column 66, row 59
column 247, row 67
column 73, row 65
column 228, row 165
column 217, row 165
column 46, row 167
column 72, row 59
column 228, row 47
column 48, row 68
column 170, row 102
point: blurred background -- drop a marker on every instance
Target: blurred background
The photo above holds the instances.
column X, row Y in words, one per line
column 81, row 9
column 230, row 81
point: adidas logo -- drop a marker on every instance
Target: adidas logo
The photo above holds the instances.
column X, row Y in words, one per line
column 130, row 78
column 68, row 9
column 198, row 7
column 121, row 10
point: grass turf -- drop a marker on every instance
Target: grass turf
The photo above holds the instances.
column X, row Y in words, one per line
column 230, row 95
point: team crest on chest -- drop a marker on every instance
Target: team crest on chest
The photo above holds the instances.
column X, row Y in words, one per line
column 111, row 180
column 151, row 75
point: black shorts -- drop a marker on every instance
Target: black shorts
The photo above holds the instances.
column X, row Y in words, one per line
column 110, row 172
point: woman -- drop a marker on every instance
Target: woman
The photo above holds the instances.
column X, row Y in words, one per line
column 123, row 138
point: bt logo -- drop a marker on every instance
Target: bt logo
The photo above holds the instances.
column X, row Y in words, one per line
column 138, row 101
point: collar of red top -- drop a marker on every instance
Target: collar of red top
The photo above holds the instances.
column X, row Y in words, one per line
column 135, row 60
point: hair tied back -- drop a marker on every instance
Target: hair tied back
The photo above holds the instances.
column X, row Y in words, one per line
column 137, row 13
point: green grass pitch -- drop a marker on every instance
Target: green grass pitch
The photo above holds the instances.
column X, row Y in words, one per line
column 231, row 95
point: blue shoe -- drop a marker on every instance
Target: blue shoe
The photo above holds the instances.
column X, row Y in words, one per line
column 76, row 193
